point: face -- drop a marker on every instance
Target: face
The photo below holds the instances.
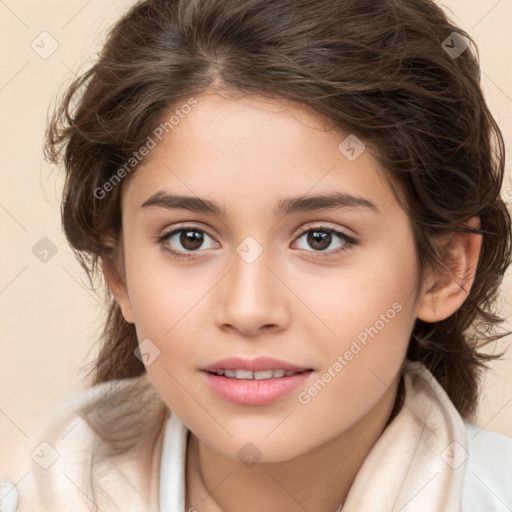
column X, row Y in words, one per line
column 328, row 289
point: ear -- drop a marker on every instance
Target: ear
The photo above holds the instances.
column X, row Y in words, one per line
column 116, row 282
column 444, row 293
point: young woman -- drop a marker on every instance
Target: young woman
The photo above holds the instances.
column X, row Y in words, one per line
column 296, row 209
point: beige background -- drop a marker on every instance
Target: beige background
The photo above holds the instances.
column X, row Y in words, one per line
column 49, row 318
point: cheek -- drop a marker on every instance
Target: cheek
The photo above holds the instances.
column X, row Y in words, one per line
column 362, row 359
column 163, row 292
column 368, row 297
column 166, row 305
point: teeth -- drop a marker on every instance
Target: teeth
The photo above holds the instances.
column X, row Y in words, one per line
column 248, row 375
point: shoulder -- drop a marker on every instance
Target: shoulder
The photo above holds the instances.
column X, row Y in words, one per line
column 488, row 476
column 71, row 456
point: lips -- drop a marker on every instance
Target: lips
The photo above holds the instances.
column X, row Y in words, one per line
column 243, row 391
column 258, row 381
column 258, row 364
column 248, row 375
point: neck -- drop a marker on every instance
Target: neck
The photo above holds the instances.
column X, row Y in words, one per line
column 316, row 480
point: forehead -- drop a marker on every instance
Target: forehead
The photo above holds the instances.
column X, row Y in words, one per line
column 242, row 151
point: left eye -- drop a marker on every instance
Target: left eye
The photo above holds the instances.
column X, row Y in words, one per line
column 320, row 238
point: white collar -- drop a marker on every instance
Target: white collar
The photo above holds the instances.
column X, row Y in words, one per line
column 172, row 471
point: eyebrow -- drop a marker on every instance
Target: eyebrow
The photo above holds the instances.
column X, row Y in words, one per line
column 322, row 202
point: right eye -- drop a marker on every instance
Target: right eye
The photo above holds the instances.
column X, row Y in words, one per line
column 191, row 238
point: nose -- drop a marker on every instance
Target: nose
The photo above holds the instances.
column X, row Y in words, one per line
column 252, row 299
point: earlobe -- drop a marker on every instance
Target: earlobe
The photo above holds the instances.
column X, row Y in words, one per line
column 117, row 286
column 444, row 293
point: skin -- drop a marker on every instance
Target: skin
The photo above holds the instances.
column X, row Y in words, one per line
column 247, row 153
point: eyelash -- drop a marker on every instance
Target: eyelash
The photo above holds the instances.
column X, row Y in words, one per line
column 349, row 242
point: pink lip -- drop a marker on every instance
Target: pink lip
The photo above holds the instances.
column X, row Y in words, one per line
column 254, row 392
column 257, row 364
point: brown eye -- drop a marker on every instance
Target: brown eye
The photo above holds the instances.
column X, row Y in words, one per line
column 185, row 239
column 321, row 238
column 191, row 239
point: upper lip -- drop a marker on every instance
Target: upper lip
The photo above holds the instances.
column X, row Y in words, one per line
column 255, row 365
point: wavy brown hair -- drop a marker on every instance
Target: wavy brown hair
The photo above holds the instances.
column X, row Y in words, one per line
column 378, row 70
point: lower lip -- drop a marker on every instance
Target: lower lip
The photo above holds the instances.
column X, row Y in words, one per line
column 255, row 392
